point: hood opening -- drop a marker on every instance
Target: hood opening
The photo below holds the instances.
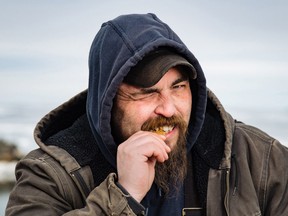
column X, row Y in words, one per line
column 118, row 46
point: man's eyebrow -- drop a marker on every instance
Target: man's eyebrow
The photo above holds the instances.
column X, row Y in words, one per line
column 148, row 90
column 179, row 80
column 144, row 91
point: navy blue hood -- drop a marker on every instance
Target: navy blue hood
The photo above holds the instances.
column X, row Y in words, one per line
column 118, row 46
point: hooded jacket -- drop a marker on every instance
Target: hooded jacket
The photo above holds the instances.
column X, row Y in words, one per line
column 238, row 169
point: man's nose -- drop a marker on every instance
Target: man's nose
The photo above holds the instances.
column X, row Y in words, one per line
column 165, row 106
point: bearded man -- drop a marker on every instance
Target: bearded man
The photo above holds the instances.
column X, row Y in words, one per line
column 148, row 138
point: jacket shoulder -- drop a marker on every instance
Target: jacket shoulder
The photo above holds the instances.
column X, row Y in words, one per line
column 39, row 171
column 263, row 160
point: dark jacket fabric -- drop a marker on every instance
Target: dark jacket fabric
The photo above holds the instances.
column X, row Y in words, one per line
column 238, row 169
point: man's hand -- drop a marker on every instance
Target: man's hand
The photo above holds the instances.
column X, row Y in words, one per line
column 136, row 159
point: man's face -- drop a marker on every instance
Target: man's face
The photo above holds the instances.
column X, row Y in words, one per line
column 170, row 98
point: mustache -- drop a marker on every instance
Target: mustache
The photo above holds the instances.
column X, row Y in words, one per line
column 160, row 121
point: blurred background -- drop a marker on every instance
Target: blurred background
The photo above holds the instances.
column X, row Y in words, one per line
column 241, row 45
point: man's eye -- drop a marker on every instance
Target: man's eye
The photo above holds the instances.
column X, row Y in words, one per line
column 148, row 95
column 143, row 96
column 179, row 86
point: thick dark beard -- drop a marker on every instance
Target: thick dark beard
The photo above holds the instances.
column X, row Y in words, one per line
column 170, row 175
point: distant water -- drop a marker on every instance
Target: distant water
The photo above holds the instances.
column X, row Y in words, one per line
column 17, row 122
column 3, row 201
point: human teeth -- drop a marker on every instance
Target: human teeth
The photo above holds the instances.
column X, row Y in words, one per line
column 163, row 130
column 167, row 128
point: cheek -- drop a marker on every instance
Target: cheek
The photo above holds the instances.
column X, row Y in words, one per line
column 132, row 118
column 189, row 107
column 137, row 115
column 185, row 106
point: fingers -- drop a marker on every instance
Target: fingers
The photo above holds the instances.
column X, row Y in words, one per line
column 146, row 145
column 136, row 159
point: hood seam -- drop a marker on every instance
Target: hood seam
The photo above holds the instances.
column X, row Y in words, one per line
column 121, row 34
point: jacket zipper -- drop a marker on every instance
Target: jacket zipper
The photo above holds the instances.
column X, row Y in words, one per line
column 79, row 179
column 226, row 190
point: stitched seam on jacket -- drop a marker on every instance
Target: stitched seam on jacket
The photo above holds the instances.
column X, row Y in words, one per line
column 264, row 180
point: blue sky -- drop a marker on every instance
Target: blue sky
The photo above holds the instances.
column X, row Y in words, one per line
column 241, row 45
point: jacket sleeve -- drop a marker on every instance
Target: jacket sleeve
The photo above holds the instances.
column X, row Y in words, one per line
column 276, row 191
column 44, row 188
column 115, row 200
